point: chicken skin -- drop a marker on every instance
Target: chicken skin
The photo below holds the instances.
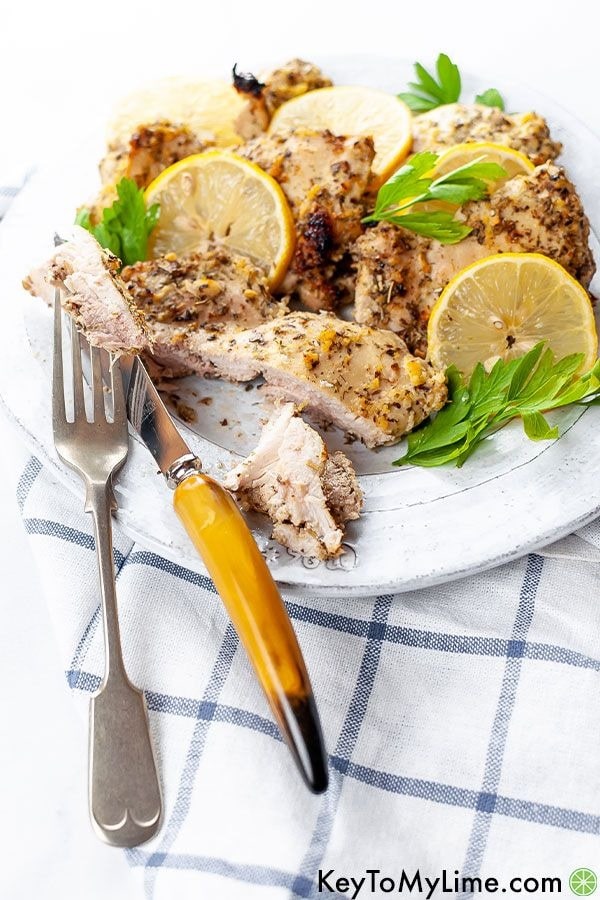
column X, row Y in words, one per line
column 399, row 275
column 264, row 96
column 325, row 179
column 457, row 123
column 308, row 494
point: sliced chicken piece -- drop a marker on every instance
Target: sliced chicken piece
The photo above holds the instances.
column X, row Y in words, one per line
column 400, row 274
column 361, row 379
column 290, row 477
column 457, row 123
column 325, row 179
column 272, row 90
column 150, row 149
column 210, row 285
column 93, row 293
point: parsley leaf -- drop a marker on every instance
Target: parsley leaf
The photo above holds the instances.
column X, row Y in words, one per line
column 439, row 225
column 523, row 388
column 126, row 225
column 491, row 97
column 413, row 184
column 428, row 93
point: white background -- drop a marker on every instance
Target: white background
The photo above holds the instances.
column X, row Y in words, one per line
column 61, row 64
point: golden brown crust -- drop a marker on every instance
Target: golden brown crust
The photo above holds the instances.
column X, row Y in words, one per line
column 540, row 213
column 389, row 273
column 273, row 89
column 151, row 148
column 212, row 285
column 457, row 123
column 400, row 275
column 325, row 179
column 361, row 378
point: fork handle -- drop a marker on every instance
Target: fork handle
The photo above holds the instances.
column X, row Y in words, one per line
column 124, row 790
column 100, row 502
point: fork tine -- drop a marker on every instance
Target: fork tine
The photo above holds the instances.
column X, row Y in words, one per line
column 118, row 395
column 97, row 384
column 58, row 387
column 78, row 399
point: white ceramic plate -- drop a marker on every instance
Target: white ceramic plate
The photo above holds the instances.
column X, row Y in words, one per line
column 419, row 527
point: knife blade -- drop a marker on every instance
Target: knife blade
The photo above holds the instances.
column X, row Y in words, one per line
column 239, row 572
column 151, row 419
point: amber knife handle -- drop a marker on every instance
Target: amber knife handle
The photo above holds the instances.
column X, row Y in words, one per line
column 253, row 602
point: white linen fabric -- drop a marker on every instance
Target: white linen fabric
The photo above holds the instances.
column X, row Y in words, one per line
column 461, row 721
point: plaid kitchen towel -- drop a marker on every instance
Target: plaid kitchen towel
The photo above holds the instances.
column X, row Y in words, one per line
column 462, row 724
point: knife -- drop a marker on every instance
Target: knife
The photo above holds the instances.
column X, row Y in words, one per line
column 240, row 574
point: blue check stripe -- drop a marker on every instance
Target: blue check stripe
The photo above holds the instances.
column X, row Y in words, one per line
column 83, row 645
column 409, row 637
column 8, row 192
column 85, row 641
column 207, row 705
column 434, row 791
column 152, row 560
column 258, row 875
column 186, row 707
column 27, row 480
column 487, row 799
column 304, row 885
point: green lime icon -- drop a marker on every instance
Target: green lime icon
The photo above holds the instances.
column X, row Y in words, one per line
column 583, row 882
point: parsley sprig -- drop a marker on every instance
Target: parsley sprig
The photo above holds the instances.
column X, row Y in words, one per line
column 491, row 97
column 413, row 184
column 523, row 388
column 427, row 92
column 126, row 225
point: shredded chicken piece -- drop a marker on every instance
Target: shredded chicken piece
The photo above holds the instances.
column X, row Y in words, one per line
column 210, row 285
column 457, row 123
column 325, row 179
column 290, row 477
column 93, row 293
column 400, row 274
column 361, row 379
column 268, row 93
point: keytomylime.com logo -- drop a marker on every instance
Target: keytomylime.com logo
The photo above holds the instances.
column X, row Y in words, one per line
column 583, row 882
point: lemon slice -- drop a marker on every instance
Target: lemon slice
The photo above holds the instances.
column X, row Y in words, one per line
column 219, row 195
column 514, row 162
column 351, row 111
column 501, row 306
column 208, row 108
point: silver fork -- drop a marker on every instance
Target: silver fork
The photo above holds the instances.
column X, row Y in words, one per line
column 124, row 791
